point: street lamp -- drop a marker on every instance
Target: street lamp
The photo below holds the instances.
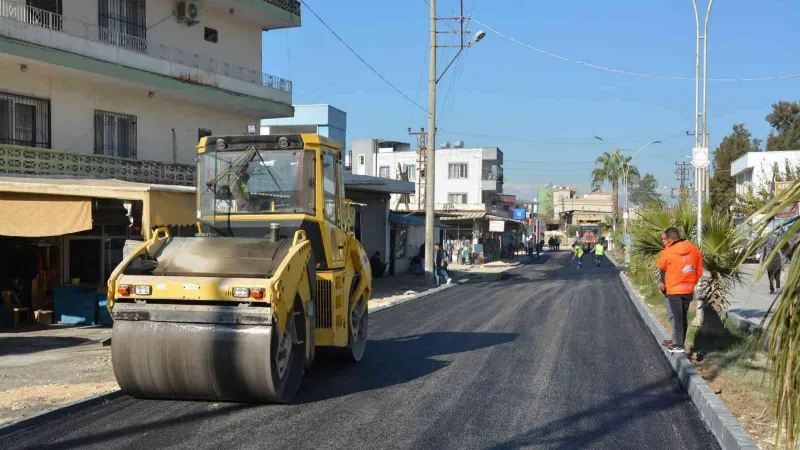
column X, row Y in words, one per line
column 627, row 167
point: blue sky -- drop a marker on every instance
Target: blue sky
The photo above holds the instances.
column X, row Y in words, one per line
column 541, row 111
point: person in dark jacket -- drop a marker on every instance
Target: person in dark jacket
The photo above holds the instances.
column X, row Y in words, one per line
column 775, row 266
column 440, row 265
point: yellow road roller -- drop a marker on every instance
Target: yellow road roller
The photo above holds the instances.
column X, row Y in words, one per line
column 237, row 312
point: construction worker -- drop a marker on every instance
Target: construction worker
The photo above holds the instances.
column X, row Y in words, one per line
column 599, row 251
column 682, row 264
column 577, row 253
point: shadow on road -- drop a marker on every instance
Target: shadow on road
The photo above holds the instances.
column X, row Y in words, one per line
column 582, row 429
column 389, row 362
column 21, row 345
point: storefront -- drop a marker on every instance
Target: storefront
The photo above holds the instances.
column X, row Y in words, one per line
column 60, row 237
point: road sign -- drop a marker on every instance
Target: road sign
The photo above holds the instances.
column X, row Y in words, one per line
column 700, row 157
column 520, row 213
column 782, row 186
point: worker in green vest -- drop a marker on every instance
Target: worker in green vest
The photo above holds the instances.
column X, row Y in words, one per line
column 237, row 183
column 578, row 254
column 599, row 251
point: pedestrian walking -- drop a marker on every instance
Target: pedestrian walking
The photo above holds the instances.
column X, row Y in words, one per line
column 599, row 251
column 441, row 265
column 682, row 264
column 775, row 266
column 577, row 253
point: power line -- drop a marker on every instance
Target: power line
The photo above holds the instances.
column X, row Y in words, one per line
column 362, row 59
column 629, row 72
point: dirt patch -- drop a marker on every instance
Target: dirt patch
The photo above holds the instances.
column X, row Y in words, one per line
column 22, row 402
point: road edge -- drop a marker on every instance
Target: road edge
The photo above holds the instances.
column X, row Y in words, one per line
column 472, row 277
column 717, row 417
column 56, row 412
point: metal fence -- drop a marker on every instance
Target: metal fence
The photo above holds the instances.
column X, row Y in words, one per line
column 33, row 161
column 82, row 30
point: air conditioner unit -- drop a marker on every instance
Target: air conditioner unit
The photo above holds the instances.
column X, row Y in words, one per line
column 189, row 12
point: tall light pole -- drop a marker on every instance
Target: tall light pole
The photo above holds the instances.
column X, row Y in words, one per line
column 700, row 156
column 613, row 154
column 627, row 167
column 430, row 155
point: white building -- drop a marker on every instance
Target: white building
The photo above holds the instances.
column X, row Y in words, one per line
column 133, row 78
column 756, row 168
column 466, row 178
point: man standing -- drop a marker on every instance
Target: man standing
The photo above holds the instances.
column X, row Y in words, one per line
column 682, row 264
column 440, row 264
column 775, row 266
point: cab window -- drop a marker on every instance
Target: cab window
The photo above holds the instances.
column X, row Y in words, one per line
column 330, row 193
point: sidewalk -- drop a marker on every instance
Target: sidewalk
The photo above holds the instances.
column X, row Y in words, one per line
column 748, row 301
column 43, row 368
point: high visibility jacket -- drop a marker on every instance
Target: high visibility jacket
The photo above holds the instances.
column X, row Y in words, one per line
column 579, row 251
column 683, row 267
column 599, row 250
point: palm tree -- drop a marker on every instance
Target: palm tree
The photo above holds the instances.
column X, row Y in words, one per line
column 611, row 167
column 720, row 249
column 783, row 330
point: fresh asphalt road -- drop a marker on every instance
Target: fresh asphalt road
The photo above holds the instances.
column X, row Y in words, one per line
column 547, row 357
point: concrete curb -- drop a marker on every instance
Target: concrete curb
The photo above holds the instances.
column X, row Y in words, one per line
column 472, row 277
column 719, row 420
column 57, row 412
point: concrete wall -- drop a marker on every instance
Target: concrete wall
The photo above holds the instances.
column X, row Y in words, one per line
column 239, row 40
column 368, row 149
column 756, row 168
column 74, row 100
column 374, row 221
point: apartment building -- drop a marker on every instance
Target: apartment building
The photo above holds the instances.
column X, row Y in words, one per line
column 133, row 79
column 757, row 169
column 466, row 178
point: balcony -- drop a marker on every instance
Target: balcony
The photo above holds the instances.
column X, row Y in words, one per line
column 17, row 160
column 492, row 179
column 57, row 33
column 268, row 14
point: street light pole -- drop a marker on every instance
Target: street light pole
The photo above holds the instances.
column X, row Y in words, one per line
column 627, row 166
column 701, row 139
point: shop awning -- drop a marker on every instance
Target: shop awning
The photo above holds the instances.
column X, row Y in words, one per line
column 412, row 220
column 162, row 205
column 33, row 215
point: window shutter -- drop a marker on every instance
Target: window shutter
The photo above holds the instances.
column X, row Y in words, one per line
column 99, row 134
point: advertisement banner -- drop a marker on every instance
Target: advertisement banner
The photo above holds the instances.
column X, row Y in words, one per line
column 497, row 226
column 520, row 213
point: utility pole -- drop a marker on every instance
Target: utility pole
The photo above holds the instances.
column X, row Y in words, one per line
column 430, row 157
column 422, row 142
column 682, row 170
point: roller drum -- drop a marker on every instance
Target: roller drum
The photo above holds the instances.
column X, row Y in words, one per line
column 200, row 361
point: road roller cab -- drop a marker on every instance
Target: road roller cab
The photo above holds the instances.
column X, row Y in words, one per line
column 238, row 311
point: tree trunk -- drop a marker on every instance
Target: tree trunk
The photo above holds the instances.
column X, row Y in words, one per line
column 707, row 323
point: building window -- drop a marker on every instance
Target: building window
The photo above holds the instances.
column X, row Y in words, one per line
column 202, row 132
column 457, row 199
column 331, row 205
column 24, row 120
column 212, row 35
column 114, row 134
column 457, row 171
column 121, row 19
column 411, row 172
column 383, row 171
column 361, row 160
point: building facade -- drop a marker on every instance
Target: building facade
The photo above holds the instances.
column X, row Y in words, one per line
column 570, row 208
column 756, row 169
column 466, row 178
column 136, row 79
column 324, row 120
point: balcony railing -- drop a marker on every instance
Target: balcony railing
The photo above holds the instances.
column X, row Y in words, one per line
column 293, row 6
column 75, row 28
column 35, row 161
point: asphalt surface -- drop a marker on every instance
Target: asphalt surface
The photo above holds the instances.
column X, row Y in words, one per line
column 546, row 357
